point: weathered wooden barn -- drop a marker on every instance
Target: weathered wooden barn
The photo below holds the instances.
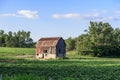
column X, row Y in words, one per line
column 53, row 47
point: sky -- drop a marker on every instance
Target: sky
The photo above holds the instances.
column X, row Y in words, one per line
column 56, row 18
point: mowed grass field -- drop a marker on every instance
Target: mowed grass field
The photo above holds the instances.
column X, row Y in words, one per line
column 20, row 64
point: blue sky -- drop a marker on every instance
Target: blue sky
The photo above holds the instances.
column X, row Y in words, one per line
column 50, row 18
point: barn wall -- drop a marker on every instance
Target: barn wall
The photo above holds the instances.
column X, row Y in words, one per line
column 46, row 56
column 53, row 50
column 50, row 56
column 50, row 52
column 39, row 56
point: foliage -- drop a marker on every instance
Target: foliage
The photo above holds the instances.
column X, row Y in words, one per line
column 70, row 44
column 104, row 40
column 99, row 40
column 16, row 39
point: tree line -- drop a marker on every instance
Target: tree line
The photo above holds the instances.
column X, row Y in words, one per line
column 101, row 39
column 16, row 39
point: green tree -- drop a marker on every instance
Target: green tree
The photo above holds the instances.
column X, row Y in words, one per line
column 16, row 39
column 2, row 38
column 100, row 40
column 83, row 46
column 70, row 44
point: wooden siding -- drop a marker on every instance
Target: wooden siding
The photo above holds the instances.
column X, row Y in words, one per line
column 50, row 48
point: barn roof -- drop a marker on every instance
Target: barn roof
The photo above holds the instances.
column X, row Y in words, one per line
column 48, row 42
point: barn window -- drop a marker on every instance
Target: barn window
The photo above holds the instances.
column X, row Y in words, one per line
column 37, row 54
column 45, row 51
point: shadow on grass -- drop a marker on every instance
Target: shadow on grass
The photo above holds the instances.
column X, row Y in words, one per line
column 117, row 57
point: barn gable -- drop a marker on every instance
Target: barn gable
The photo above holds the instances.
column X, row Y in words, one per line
column 50, row 47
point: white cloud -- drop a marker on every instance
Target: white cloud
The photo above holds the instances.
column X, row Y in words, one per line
column 95, row 15
column 71, row 15
column 28, row 14
column 111, row 18
column 91, row 16
column 99, row 11
column 67, row 16
column 76, row 16
column 22, row 13
column 57, row 16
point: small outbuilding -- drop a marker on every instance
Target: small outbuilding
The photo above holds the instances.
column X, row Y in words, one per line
column 53, row 47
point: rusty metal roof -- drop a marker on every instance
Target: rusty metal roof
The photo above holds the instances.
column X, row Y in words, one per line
column 48, row 42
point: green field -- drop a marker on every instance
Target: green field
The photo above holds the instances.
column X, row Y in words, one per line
column 20, row 64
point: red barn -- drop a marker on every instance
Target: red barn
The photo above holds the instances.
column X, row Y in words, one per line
column 53, row 47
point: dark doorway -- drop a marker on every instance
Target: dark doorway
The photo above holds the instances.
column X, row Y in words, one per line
column 59, row 51
column 45, row 51
column 42, row 55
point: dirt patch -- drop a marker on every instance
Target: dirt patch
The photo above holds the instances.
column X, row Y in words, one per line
column 25, row 56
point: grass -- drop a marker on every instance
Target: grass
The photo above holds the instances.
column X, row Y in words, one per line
column 76, row 67
column 16, row 52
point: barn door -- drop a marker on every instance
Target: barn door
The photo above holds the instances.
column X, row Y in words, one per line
column 42, row 55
